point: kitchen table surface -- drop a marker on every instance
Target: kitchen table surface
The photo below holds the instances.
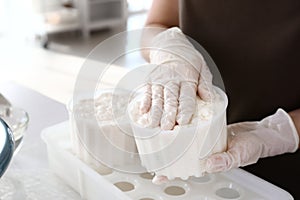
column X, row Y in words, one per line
column 42, row 83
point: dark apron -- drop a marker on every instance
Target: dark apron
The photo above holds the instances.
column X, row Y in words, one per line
column 256, row 46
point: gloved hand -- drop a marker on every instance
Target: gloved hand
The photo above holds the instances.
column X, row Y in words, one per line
column 181, row 70
column 249, row 141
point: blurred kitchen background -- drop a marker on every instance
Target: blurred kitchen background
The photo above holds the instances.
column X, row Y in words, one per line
column 72, row 27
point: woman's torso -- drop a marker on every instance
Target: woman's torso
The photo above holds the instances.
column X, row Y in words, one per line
column 255, row 45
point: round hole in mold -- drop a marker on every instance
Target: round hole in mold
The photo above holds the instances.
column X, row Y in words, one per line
column 202, row 198
column 99, row 168
column 147, row 175
column 228, row 193
column 148, row 196
column 104, row 171
column 174, row 190
column 202, row 179
column 124, row 186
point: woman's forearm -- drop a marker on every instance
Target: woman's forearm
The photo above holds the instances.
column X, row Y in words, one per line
column 295, row 115
column 162, row 15
column 149, row 32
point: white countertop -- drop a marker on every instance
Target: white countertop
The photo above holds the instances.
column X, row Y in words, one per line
column 49, row 73
column 41, row 82
column 28, row 175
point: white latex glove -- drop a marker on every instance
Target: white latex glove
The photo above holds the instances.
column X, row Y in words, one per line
column 249, row 141
column 181, row 70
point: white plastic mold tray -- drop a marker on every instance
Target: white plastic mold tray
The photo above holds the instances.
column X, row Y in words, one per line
column 93, row 184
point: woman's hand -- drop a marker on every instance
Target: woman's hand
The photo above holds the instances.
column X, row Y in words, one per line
column 249, row 141
column 180, row 72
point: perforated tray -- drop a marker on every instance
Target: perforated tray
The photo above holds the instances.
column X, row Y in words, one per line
column 94, row 184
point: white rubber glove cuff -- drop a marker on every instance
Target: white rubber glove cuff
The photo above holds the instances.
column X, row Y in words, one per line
column 293, row 129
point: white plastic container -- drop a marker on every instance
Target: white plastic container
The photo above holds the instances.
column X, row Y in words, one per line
column 179, row 152
column 101, row 135
column 94, row 183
